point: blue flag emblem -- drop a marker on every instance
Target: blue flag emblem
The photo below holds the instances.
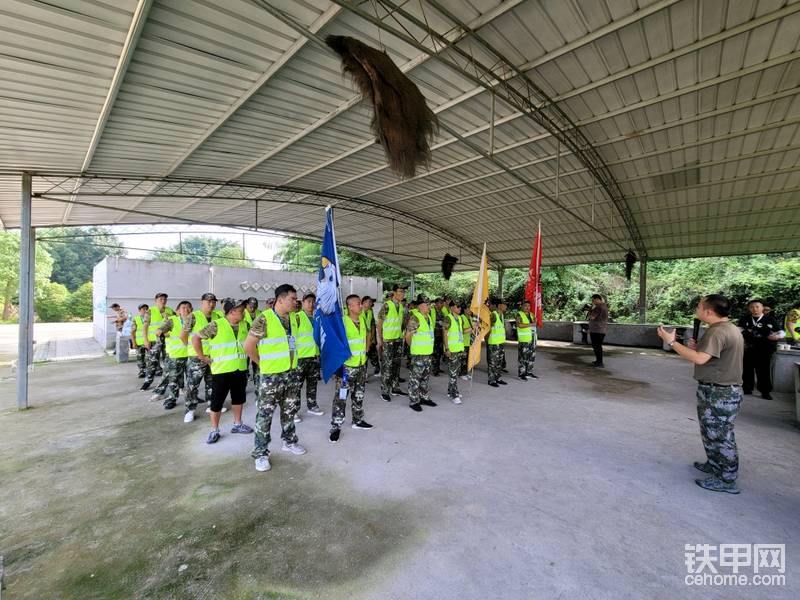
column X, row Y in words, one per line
column 329, row 331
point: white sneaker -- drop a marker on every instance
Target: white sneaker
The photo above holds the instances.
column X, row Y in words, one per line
column 298, row 418
column 456, row 400
column 262, row 464
column 208, row 410
column 188, row 417
column 465, row 377
column 316, row 411
column 294, row 448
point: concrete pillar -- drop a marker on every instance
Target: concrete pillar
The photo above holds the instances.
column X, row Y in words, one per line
column 643, row 289
column 500, row 275
column 27, row 255
column 412, row 289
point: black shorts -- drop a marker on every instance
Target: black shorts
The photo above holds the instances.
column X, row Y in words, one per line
column 234, row 382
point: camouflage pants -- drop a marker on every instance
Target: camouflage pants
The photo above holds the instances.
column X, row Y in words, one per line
column 152, row 358
column 464, row 359
column 526, row 354
column 717, row 408
column 274, row 391
column 372, row 356
column 174, row 373
column 453, row 369
column 390, row 374
column 438, row 352
column 495, row 357
column 356, row 383
column 162, row 356
column 141, row 359
column 419, row 379
column 307, row 372
column 196, row 371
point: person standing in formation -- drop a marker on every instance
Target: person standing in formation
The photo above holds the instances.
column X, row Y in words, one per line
column 437, row 318
column 196, row 370
column 419, row 336
column 307, row 355
column 390, row 332
column 495, row 345
column 250, row 313
column 372, row 348
column 153, row 319
column 353, row 379
column 454, row 350
column 177, row 353
column 272, row 345
column 137, row 340
column 526, row 342
column 226, row 337
column 466, row 327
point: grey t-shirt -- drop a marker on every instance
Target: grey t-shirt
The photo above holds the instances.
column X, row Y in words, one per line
column 725, row 344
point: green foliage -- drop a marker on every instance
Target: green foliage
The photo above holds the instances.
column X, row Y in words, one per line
column 81, row 303
column 9, row 269
column 206, row 250
column 75, row 257
column 52, row 302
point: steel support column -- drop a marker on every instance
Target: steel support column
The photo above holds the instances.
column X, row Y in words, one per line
column 643, row 289
column 27, row 255
column 500, row 276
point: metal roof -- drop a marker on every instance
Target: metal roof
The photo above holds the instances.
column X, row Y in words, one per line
column 669, row 127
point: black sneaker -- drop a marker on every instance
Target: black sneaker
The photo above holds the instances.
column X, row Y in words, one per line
column 145, row 386
column 213, row 437
column 747, row 392
column 501, row 382
column 493, row 384
column 398, row 392
column 767, row 396
column 400, row 380
column 386, row 397
column 416, row 408
column 334, row 437
column 362, row 424
column 523, row 378
column 377, row 371
column 169, row 406
column 428, row 403
column 704, row 467
column 533, row 376
column 504, row 370
column 142, row 375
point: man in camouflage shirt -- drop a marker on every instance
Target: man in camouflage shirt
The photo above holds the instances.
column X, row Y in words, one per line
column 154, row 349
column 141, row 351
column 391, row 351
column 419, row 376
column 196, row 369
column 275, row 390
column 307, row 370
column 174, row 368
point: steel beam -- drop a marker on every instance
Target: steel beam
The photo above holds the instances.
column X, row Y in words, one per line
column 26, row 278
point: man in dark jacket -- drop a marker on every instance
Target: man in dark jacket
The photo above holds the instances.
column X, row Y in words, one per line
column 761, row 334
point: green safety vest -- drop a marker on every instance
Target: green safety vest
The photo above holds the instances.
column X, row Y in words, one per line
column 200, row 321
column 227, row 349
column 248, row 318
column 392, row 324
column 304, row 343
column 139, row 330
column 422, row 340
column 273, row 349
column 526, row 334
column 369, row 318
column 455, row 337
column 175, row 346
column 156, row 321
column 217, row 314
column 357, row 340
column 497, row 334
column 466, row 323
column 432, row 314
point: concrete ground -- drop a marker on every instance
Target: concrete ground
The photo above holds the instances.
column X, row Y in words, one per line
column 576, row 485
column 52, row 342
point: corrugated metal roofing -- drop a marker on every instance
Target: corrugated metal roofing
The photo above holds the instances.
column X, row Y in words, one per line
column 691, row 104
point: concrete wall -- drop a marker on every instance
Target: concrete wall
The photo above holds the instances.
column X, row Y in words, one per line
column 132, row 282
column 560, row 331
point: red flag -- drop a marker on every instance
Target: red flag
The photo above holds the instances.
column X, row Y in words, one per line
column 533, row 290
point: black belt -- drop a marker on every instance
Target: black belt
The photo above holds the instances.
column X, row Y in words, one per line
column 719, row 385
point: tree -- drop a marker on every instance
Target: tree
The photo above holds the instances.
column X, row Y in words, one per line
column 75, row 256
column 81, row 302
column 9, row 269
column 52, row 303
column 206, row 250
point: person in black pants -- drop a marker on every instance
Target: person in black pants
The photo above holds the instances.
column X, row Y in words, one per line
column 761, row 333
column 598, row 325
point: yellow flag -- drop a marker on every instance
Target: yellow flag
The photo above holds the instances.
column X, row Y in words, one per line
column 481, row 317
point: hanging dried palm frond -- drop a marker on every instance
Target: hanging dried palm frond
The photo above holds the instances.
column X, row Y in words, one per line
column 401, row 120
column 448, row 262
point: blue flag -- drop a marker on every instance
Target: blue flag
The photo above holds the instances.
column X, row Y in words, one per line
column 329, row 331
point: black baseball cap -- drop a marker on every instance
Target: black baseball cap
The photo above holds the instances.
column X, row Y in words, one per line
column 399, row 286
column 228, row 304
column 422, row 299
column 208, row 296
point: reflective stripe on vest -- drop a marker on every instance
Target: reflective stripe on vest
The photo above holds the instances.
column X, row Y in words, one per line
column 200, row 321
column 455, row 337
column 525, row 334
column 273, row 349
column 139, row 330
column 175, row 346
column 422, row 340
column 156, row 321
column 227, row 349
column 392, row 323
column 357, row 340
column 497, row 334
column 304, row 336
